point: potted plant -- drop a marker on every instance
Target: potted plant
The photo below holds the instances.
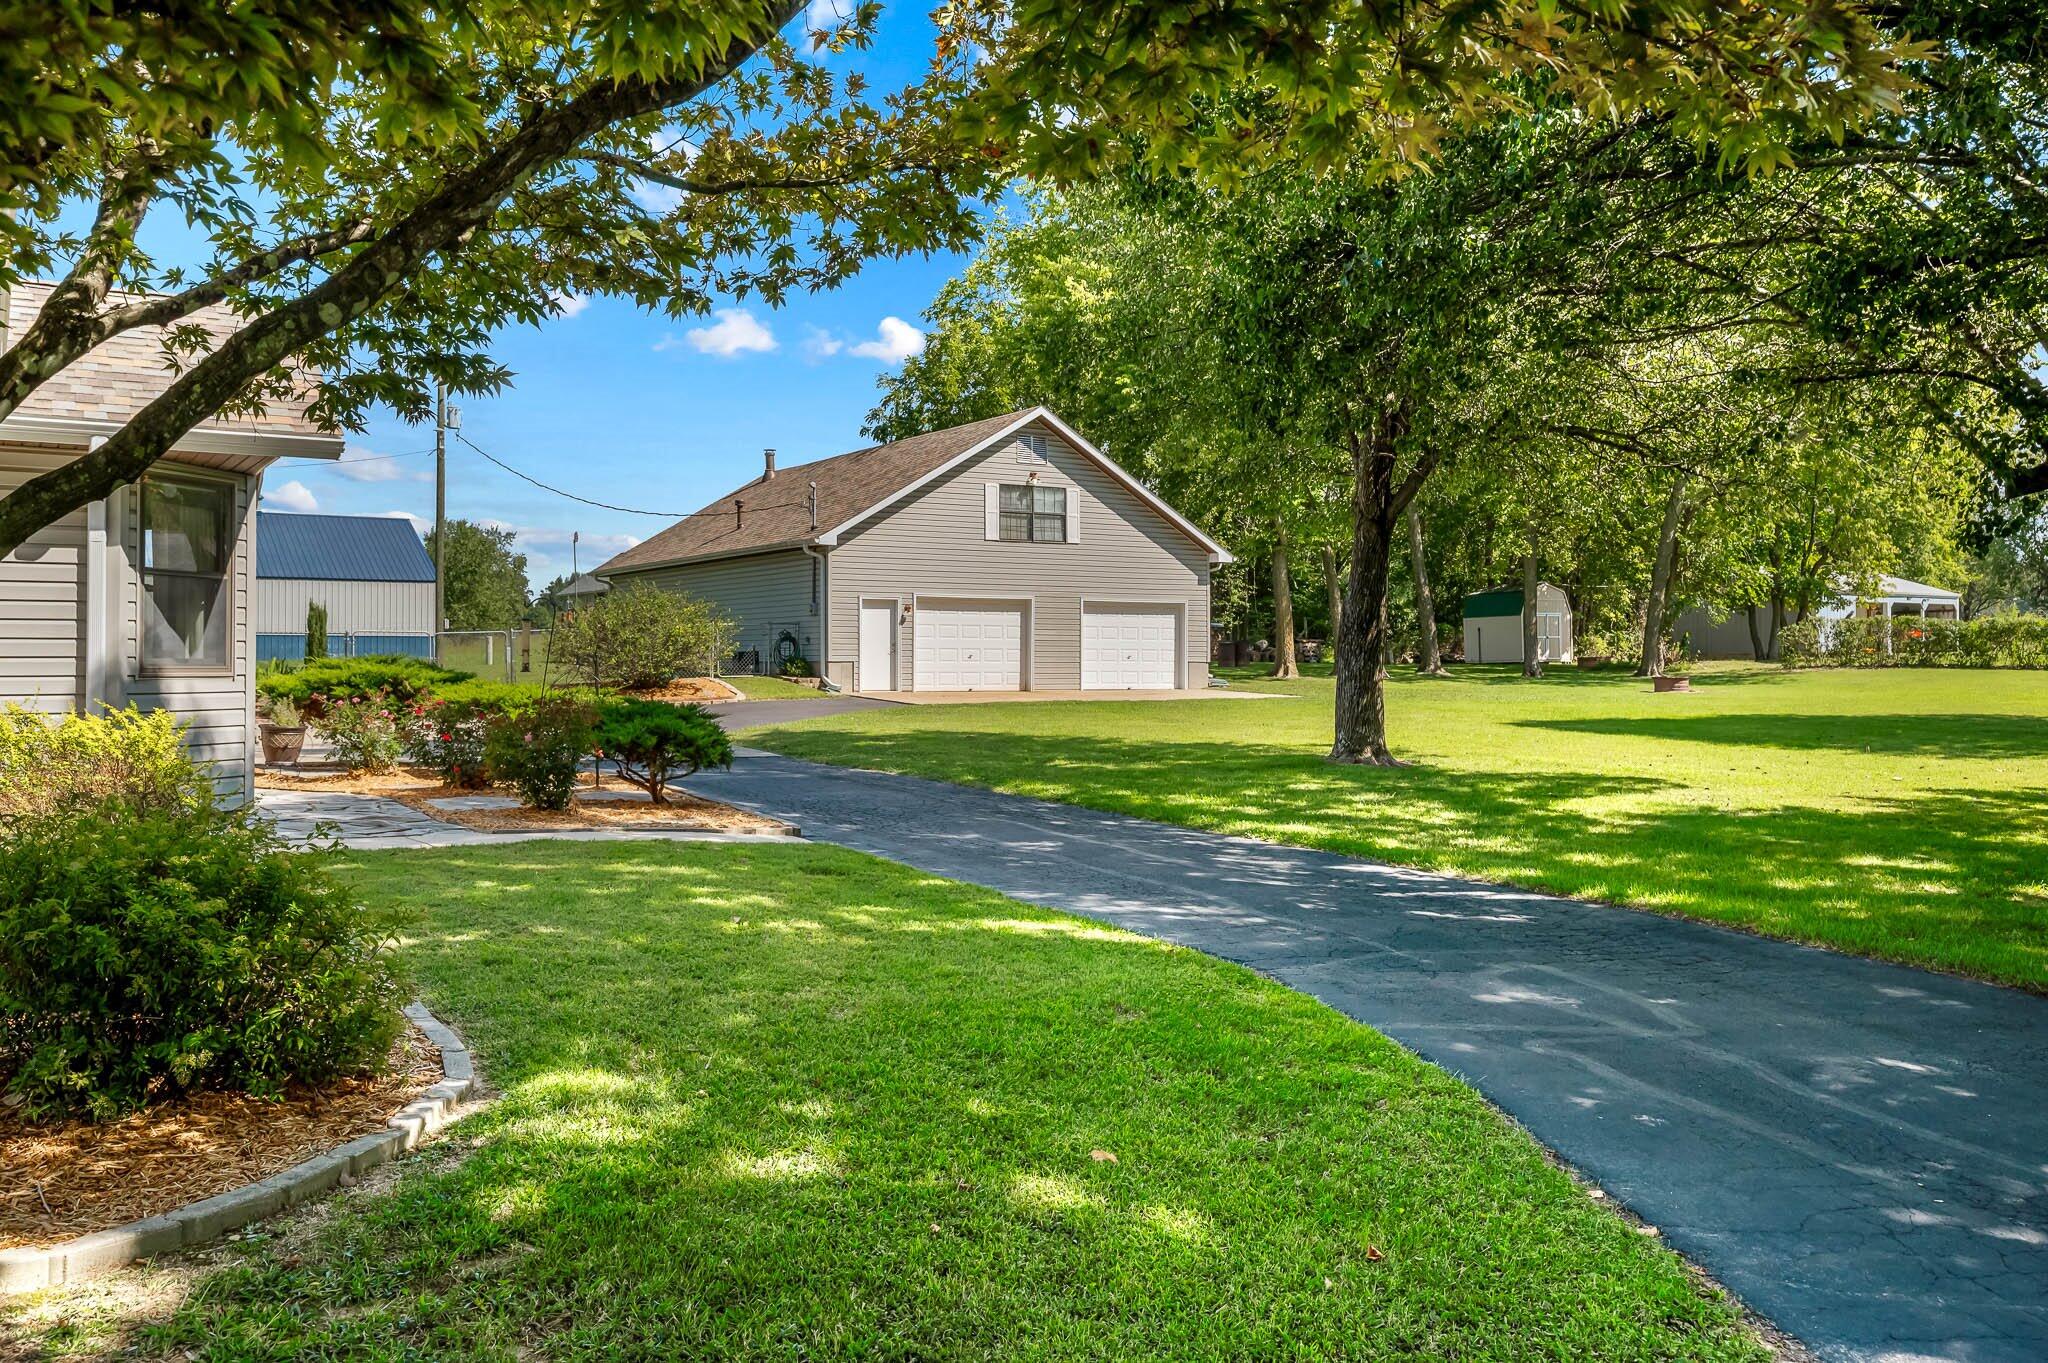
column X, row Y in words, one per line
column 283, row 732
column 1677, row 670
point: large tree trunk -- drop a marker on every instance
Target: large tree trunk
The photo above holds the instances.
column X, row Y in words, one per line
column 1285, row 662
column 1660, row 582
column 1757, row 648
column 1333, row 583
column 1428, row 659
column 1532, row 644
column 1376, row 502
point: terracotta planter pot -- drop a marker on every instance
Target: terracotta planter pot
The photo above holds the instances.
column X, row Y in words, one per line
column 1590, row 661
column 1663, row 684
column 281, row 745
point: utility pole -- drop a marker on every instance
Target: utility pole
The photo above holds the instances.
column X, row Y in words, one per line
column 440, row 514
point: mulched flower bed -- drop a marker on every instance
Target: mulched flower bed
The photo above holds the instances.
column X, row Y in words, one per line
column 59, row 1180
column 419, row 787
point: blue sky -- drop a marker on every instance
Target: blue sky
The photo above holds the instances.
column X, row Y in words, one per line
column 638, row 409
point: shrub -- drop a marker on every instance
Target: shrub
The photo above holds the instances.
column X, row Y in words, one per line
column 796, row 665
column 653, row 743
column 539, row 748
column 368, row 732
column 1911, row 641
column 313, row 686
column 446, row 728
column 640, row 637
column 172, row 950
column 49, row 763
column 316, row 631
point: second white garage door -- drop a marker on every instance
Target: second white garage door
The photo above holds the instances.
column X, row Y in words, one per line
column 970, row 646
column 1130, row 648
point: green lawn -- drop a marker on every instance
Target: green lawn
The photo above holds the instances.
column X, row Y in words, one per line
column 1900, row 814
column 771, row 688
column 796, row 1103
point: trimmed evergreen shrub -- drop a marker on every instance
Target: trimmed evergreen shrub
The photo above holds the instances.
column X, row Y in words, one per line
column 653, row 743
column 146, row 952
column 313, row 685
column 316, row 631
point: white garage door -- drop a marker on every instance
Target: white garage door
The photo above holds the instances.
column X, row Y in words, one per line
column 970, row 646
column 1130, row 648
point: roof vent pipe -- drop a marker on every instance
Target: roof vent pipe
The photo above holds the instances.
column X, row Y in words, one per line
column 767, row 463
column 739, row 513
column 814, row 504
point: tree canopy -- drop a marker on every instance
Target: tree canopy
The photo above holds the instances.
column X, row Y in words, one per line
column 383, row 187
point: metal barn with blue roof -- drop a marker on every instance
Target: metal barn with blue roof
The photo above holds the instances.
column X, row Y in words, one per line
column 371, row 573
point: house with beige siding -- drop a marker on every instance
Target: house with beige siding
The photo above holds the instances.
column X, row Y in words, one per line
column 144, row 597
column 1003, row 555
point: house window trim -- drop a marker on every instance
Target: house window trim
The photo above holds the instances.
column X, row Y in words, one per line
column 144, row 666
column 1034, row 517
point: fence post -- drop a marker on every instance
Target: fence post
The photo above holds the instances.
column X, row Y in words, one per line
column 526, row 646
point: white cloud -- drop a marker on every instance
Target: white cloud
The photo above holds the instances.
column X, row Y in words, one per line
column 736, row 332
column 895, row 340
column 292, row 496
column 668, row 342
column 568, row 304
column 420, row 524
column 359, row 465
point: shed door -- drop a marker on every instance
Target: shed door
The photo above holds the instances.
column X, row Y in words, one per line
column 1549, row 635
column 970, row 646
column 1129, row 648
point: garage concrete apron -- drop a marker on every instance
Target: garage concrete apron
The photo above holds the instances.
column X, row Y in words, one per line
column 1860, row 1151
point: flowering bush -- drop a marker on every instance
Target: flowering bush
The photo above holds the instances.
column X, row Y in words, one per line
column 450, row 739
column 368, row 732
column 539, row 747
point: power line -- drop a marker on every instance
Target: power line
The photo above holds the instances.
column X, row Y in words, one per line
column 545, row 487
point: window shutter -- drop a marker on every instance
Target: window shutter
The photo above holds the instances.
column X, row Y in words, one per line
column 1073, row 515
column 992, row 511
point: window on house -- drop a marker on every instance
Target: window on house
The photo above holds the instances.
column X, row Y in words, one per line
column 1034, row 512
column 187, row 547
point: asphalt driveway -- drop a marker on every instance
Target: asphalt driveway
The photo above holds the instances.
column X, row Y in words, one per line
column 1860, row 1151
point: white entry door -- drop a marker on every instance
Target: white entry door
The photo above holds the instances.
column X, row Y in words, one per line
column 1130, row 648
column 878, row 645
column 970, row 646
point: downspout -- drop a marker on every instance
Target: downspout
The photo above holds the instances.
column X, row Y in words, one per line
column 817, row 555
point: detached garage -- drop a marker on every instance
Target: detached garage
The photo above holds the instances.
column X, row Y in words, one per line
column 1003, row 555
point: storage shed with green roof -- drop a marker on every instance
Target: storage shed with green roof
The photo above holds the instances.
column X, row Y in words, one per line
column 1493, row 625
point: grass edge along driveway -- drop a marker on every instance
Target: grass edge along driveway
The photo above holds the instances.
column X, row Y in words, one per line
column 796, row 1102
column 1899, row 814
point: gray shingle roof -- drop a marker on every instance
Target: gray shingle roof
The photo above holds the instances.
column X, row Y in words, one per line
column 340, row 548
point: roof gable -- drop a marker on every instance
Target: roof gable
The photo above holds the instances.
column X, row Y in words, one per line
column 776, row 513
column 340, row 548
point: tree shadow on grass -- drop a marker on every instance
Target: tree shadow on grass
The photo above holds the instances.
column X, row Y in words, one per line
column 1953, row 878
column 1930, row 735
column 792, row 1102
